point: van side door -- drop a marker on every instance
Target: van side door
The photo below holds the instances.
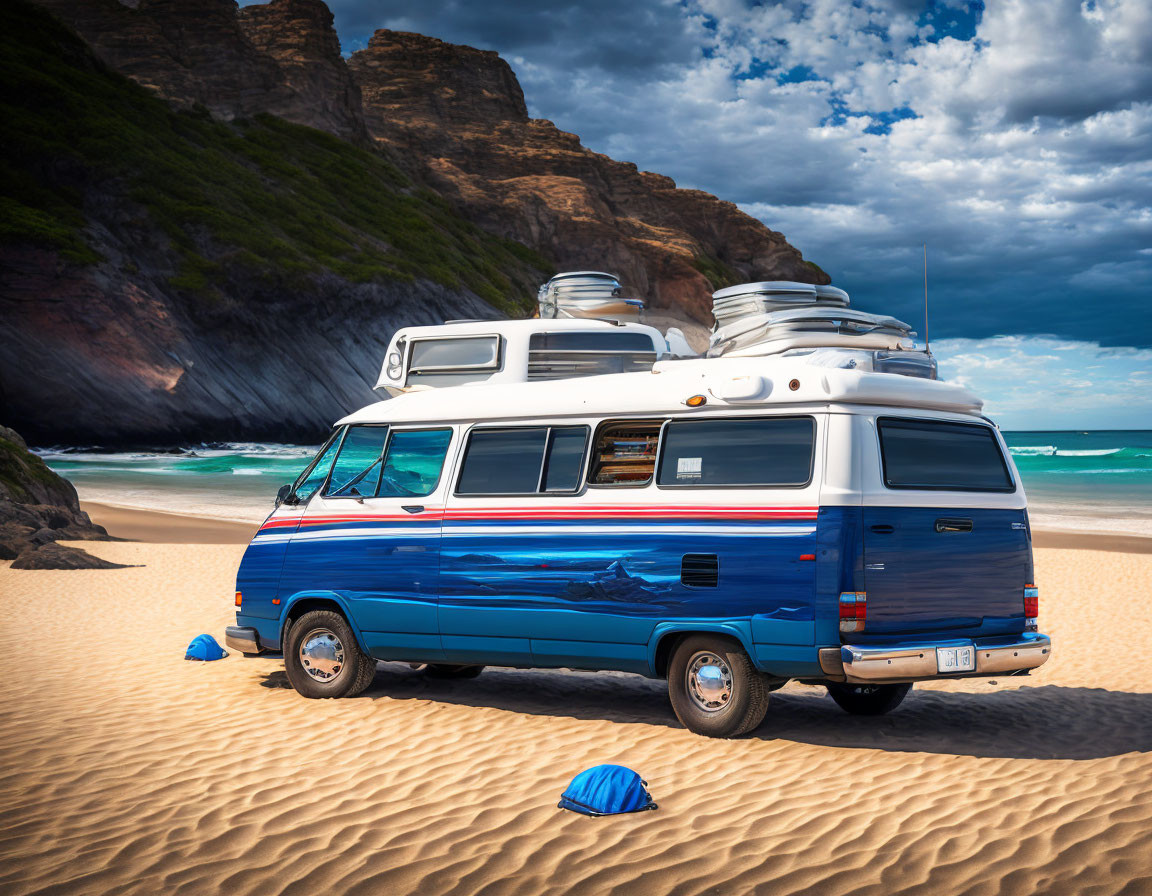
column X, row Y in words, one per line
column 371, row 536
column 504, row 548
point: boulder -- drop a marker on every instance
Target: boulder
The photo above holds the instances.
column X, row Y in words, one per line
column 58, row 556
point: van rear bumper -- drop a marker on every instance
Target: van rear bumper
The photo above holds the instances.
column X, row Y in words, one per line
column 916, row 661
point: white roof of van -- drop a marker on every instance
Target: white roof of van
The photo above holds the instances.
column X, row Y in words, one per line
column 728, row 383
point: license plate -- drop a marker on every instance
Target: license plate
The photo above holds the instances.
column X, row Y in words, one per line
column 950, row 660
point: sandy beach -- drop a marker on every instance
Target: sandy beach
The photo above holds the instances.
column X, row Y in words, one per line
column 128, row 770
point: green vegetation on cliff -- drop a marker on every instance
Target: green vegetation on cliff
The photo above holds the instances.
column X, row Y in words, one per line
column 260, row 200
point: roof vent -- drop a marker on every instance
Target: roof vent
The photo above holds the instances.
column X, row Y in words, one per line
column 586, row 294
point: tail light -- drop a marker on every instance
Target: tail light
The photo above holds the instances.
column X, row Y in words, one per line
column 1031, row 607
column 853, row 610
column 239, row 599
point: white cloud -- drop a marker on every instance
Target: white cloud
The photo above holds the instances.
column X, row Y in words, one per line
column 1045, row 382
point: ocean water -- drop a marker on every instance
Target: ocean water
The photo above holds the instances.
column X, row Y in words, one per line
column 1076, row 480
column 237, row 482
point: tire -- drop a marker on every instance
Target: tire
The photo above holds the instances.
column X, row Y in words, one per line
column 338, row 668
column 445, row 671
column 868, row 699
column 738, row 690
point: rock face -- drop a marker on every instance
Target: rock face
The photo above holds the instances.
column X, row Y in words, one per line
column 120, row 360
column 298, row 34
column 282, row 58
column 458, row 116
column 36, row 508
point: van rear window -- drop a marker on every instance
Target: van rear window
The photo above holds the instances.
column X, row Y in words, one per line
column 759, row 452
column 940, row 456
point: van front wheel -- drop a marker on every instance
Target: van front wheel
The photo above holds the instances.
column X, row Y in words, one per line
column 322, row 658
column 868, row 699
column 715, row 689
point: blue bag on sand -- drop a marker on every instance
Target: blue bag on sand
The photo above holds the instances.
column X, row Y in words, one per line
column 204, row 647
column 606, row 790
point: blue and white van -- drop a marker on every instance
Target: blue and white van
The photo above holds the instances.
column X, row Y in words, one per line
column 727, row 524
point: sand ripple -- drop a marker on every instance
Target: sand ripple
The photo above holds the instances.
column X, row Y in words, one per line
column 127, row 770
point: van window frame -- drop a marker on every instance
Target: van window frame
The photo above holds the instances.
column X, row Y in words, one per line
column 1011, row 489
column 409, row 350
column 323, row 490
column 443, row 463
column 701, row 419
column 624, row 421
column 466, row 443
column 392, row 430
column 337, row 435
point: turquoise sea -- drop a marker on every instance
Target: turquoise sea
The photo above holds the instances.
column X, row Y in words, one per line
column 1093, row 479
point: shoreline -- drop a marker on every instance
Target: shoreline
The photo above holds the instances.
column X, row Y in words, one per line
column 166, row 527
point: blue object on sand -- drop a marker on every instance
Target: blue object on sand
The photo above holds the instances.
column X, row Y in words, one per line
column 606, row 790
column 204, row 647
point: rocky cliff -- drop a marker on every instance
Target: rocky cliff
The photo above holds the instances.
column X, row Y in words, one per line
column 167, row 277
column 282, row 58
column 458, row 116
column 195, row 258
column 455, row 118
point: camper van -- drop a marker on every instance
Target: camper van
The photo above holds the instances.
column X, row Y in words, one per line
column 729, row 524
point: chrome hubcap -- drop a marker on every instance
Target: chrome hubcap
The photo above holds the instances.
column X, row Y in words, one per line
column 709, row 681
column 321, row 655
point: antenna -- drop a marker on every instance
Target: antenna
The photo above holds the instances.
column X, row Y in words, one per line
column 927, row 350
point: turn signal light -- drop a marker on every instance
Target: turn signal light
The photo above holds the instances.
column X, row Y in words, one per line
column 1031, row 608
column 239, row 598
column 696, row 401
column 853, row 610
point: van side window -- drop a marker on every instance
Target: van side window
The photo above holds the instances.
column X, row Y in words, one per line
column 626, row 453
column 356, row 472
column 938, row 455
column 523, row 461
column 413, row 463
column 564, row 463
column 314, row 475
column 760, row 451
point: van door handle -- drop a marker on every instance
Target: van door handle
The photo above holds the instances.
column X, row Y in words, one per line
column 883, row 529
column 412, row 508
column 948, row 525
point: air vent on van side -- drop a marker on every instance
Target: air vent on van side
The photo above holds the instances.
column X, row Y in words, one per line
column 700, row 570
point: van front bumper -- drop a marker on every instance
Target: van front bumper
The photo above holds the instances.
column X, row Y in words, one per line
column 243, row 638
column 867, row 664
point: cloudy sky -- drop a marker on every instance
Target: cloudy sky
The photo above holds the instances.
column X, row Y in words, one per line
column 1015, row 139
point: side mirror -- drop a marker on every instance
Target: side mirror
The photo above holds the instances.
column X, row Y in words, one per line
column 285, row 496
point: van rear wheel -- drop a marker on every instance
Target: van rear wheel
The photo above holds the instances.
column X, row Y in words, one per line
column 714, row 688
column 868, row 699
column 323, row 659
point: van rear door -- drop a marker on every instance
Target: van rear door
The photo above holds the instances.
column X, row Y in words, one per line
column 946, row 541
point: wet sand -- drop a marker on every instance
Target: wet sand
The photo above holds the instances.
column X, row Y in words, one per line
column 157, row 527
